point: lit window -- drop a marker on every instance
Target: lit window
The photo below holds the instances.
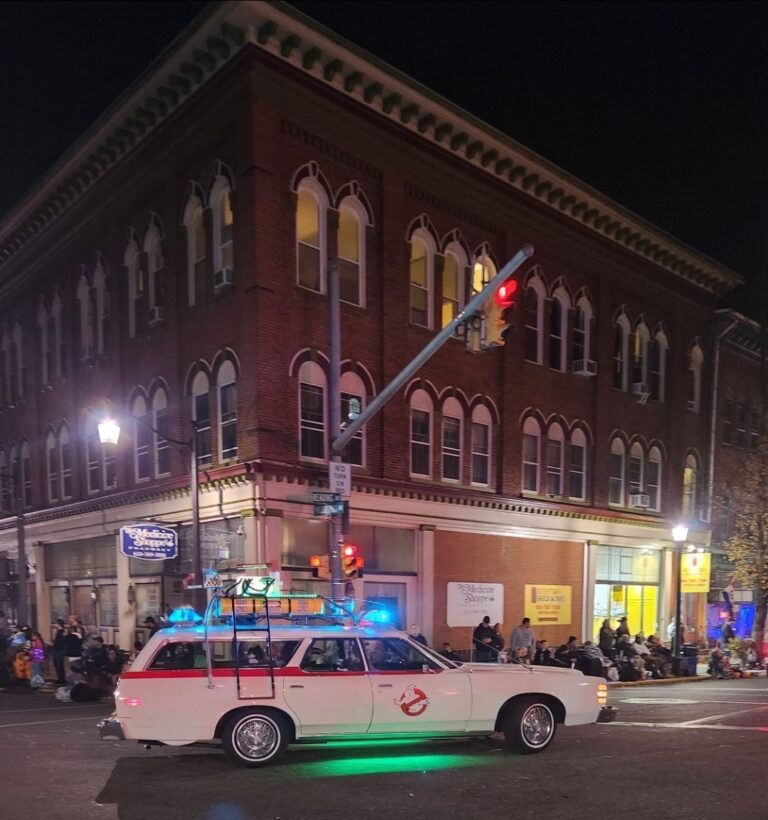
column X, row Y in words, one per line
column 453, row 276
column 695, row 360
column 421, row 274
column 531, row 455
column 227, row 411
column 201, row 415
column 483, row 271
column 640, row 359
column 351, row 252
column 312, row 413
column 220, row 202
column 635, row 477
column 616, row 479
column 481, row 446
column 577, row 465
column 653, row 479
column 690, row 481
column 153, row 247
column 309, row 250
column 421, row 434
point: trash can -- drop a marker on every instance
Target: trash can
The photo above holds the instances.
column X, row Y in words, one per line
column 689, row 660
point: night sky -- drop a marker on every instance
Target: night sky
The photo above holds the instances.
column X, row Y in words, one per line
column 661, row 106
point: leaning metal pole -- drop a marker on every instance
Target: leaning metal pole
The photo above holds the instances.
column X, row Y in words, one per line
column 678, row 608
column 335, row 535
column 194, row 490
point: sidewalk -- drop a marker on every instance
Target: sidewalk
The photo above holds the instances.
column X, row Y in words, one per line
column 701, row 674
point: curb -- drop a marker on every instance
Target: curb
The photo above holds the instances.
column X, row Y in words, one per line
column 661, row 682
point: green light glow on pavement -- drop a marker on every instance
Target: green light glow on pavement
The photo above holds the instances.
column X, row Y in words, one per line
column 389, row 764
column 363, row 744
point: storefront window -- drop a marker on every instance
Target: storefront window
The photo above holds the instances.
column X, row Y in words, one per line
column 627, row 585
column 78, row 560
column 147, row 602
column 107, row 608
column 83, row 605
column 59, row 603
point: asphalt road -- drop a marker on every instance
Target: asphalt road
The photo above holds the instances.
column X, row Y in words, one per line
column 693, row 750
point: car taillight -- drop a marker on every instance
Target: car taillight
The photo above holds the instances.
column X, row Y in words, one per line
column 602, row 693
column 132, row 701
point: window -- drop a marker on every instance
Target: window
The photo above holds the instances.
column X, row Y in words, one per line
column 620, row 352
column 65, row 461
column 451, row 439
column 728, row 422
column 101, row 307
column 577, row 465
column 690, row 481
column 421, row 277
column 421, row 434
column 653, row 479
column 555, row 460
column 159, row 440
column 101, row 467
column 658, row 365
column 333, row 655
column 312, row 433
column 483, row 271
column 227, row 411
column 616, row 479
column 223, row 223
column 141, row 437
column 558, row 324
column 310, row 237
column 695, row 359
column 640, row 358
column 52, row 466
column 531, row 455
column 581, row 339
column 397, row 655
column 351, row 251
column 353, row 391
column 194, row 225
column 453, row 283
column 26, row 475
column 481, row 446
column 201, row 415
column 153, row 247
column 741, row 427
column 135, row 284
column 635, row 478
column 533, row 300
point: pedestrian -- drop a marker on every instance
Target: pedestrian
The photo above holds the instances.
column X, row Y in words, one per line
column 568, row 652
column 75, row 638
column 415, row 633
column 482, row 641
column 60, row 651
column 622, row 628
column 607, row 639
column 498, row 639
column 727, row 632
column 151, row 624
column 523, row 638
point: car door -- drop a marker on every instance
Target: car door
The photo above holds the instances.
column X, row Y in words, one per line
column 412, row 692
column 329, row 690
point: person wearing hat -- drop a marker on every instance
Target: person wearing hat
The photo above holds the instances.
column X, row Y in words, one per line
column 151, row 624
column 622, row 629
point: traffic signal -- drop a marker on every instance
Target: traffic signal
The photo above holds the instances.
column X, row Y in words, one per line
column 352, row 564
column 321, row 566
column 499, row 311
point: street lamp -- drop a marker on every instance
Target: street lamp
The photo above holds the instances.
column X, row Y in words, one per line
column 109, row 433
column 679, row 536
column 22, row 606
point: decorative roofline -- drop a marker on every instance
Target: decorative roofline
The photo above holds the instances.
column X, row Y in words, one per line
column 288, row 35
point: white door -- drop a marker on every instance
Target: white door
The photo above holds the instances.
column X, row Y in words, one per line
column 329, row 691
column 412, row 692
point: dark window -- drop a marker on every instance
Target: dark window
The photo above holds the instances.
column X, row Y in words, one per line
column 531, row 322
column 202, row 416
column 312, row 421
column 451, row 448
column 618, row 357
column 333, row 655
column 480, row 453
column 143, row 437
column 656, row 353
column 576, row 472
column 556, row 334
column 228, row 410
column 728, row 423
column 420, row 423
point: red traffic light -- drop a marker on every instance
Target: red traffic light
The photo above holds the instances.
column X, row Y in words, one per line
column 349, row 550
column 505, row 295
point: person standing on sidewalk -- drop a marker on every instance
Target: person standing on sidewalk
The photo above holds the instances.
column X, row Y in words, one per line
column 523, row 637
column 75, row 638
column 60, row 651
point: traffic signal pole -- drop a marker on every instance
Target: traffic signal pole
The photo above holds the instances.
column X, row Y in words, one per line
column 339, row 439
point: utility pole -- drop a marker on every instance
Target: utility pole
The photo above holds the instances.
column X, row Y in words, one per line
column 335, row 534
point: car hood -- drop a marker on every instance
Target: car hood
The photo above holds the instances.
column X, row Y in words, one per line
column 514, row 668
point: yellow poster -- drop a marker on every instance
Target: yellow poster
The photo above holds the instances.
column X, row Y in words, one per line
column 695, row 568
column 548, row 605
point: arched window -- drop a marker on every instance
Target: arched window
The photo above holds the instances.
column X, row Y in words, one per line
column 101, row 306
column 6, row 486
column 47, row 348
column 695, row 360
column 220, row 202
column 616, row 479
column 311, row 214
column 194, row 225
column 483, row 271
column 640, row 360
column 452, row 434
column 481, row 445
column 658, row 366
column 635, row 477
column 85, row 310
column 555, row 446
column 65, row 463
column 142, row 437
column 533, row 310
column 153, row 248
column 26, row 474
column 422, row 266
column 582, row 336
column 620, row 353
column 352, row 404
column 201, row 415
column 160, row 423
column 312, row 412
column 531, row 455
column 577, row 465
column 690, row 481
column 351, row 251
column 653, row 479
column 227, row 386
column 558, row 329
column 135, row 284
column 454, row 264
column 101, row 467
column 52, row 466
column 421, row 434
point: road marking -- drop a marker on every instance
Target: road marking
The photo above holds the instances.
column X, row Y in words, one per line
column 701, row 702
column 43, row 722
column 659, row 701
column 724, row 715
column 690, row 726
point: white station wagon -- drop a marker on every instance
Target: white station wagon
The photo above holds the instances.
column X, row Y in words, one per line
column 259, row 690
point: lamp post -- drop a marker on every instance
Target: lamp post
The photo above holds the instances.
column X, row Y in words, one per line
column 679, row 536
column 109, row 433
column 22, row 605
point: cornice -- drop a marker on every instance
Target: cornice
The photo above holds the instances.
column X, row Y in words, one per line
column 310, row 48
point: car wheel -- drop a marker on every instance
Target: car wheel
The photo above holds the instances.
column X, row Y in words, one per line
column 255, row 738
column 529, row 726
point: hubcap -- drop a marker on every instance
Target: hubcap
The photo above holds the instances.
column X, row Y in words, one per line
column 256, row 738
column 537, row 725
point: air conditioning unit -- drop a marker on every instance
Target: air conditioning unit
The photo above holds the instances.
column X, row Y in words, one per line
column 155, row 315
column 640, row 389
column 223, row 279
column 692, row 405
column 639, row 500
column 585, row 367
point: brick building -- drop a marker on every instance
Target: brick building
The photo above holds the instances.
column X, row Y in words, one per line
column 173, row 266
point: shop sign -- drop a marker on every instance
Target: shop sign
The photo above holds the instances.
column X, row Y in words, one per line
column 695, row 571
column 546, row 604
column 469, row 602
column 149, row 542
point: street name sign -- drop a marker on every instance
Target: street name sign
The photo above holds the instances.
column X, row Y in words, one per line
column 327, row 503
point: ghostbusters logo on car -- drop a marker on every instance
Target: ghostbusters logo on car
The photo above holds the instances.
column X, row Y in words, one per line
column 413, row 701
